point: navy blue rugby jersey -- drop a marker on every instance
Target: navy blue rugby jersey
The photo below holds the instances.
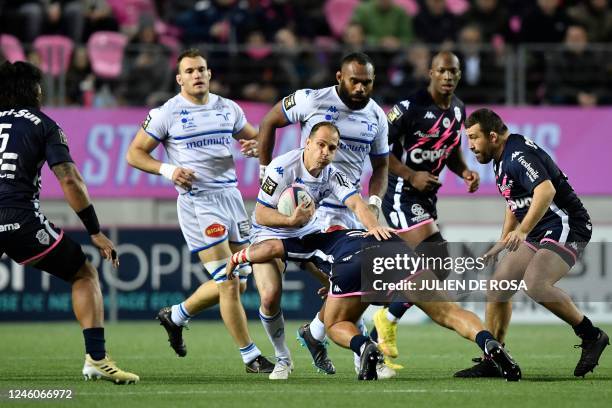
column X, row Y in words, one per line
column 28, row 139
column 325, row 249
column 423, row 135
column 522, row 167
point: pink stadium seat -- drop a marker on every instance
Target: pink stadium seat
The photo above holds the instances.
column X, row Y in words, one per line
column 55, row 52
column 457, row 7
column 11, row 48
column 338, row 14
column 105, row 51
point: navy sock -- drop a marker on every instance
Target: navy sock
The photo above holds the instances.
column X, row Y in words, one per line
column 586, row 330
column 398, row 309
column 374, row 334
column 357, row 342
column 482, row 337
column 94, row 342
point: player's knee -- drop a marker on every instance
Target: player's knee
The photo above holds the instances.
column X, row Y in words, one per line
column 270, row 300
column 86, row 271
column 536, row 289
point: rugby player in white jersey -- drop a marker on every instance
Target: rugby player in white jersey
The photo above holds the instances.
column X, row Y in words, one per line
column 309, row 167
column 363, row 132
column 196, row 128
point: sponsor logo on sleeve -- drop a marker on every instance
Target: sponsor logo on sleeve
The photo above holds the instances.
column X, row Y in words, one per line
column 62, row 136
column 269, row 186
column 394, row 114
column 215, row 230
column 289, row 101
column 342, row 180
column 145, row 124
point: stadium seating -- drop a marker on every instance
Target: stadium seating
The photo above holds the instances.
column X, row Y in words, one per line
column 105, row 51
column 11, row 48
column 338, row 14
column 55, row 52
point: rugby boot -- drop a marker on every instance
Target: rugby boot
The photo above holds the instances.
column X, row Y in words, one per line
column 106, row 369
column 484, row 368
column 259, row 364
column 175, row 332
column 317, row 349
column 509, row 369
column 591, row 351
column 387, row 333
column 371, row 357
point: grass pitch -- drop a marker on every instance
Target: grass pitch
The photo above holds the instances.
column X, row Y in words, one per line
column 50, row 356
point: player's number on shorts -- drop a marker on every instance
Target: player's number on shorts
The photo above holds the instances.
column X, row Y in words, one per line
column 7, row 168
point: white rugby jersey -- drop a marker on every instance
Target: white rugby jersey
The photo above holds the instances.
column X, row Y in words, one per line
column 289, row 169
column 199, row 137
column 362, row 132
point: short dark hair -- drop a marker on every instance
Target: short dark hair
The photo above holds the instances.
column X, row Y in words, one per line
column 488, row 120
column 19, row 85
column 358, row 57
column 189, row 53
column 319, row 125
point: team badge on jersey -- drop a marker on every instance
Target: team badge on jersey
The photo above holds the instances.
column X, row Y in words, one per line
column 394, row 114
column 289, row 101
column 269, row 186
column 42, row 237
column 215, row 230
column 457, row 114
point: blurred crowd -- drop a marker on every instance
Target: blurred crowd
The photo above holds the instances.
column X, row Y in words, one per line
column 122, row 52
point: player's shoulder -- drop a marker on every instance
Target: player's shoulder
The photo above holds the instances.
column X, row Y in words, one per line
column 517, row 148
column 167, row 108
column 287, row 159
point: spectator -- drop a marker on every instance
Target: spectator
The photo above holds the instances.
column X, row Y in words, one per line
column 272, row 15
column 482, row 72
column 80, row 80
column 576, row 75
column 257, row 72
column 409, row 71
column 384, row 23
column 490, row 16
column 215, row 22
column 546, row 23
column 145, row 68
column 66, row 17
column 434, row 24
column 299, row 66
column 99, row 17
column 23, row 18
column 596, row 16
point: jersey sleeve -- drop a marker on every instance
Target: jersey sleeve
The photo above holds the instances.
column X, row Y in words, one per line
column 340, row 185
column 298, row 105
column 397, row 119
column 380, row 146
column 56, row 148
column 528, row 170
column 241, row 120
column 156, row 124
column 271, row 187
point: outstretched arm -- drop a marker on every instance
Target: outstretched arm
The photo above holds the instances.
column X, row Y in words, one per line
column 273, row 120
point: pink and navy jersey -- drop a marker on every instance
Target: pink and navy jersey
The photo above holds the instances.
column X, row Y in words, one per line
column 28, row 139
column 521, row 168
column 423, row 135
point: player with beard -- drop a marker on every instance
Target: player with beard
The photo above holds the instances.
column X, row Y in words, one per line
column 363, row 132
column 425, row 134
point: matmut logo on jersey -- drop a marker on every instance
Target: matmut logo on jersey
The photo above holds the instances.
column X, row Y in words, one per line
column 215, row 230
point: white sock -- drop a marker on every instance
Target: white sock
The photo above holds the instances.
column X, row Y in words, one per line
column 249, row 353
column 391, row 317
column 317, row 328
column 275, row 328
column 179, row 316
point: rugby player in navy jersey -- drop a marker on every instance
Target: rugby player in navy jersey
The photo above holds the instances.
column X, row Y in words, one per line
column 425, row 134
column 341, row 254
column 545, row 230
column 28, row 139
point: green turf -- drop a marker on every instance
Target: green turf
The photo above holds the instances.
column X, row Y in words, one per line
column 50, row 356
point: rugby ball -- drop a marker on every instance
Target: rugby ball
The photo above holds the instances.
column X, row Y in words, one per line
column 292, row 197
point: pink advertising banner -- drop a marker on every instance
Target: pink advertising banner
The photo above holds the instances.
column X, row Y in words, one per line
column 577, row 139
